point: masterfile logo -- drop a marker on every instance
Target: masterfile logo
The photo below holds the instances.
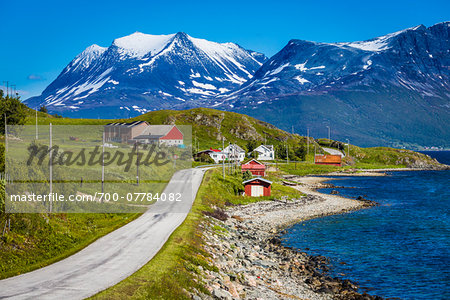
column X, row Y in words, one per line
column 74, row 169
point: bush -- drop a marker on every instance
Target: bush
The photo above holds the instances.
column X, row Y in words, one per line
column 247, row 175
column 218, row 214
column 204, row 158
column 300, row 152
column 14, row 110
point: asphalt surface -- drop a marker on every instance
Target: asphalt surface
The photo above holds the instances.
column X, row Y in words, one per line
column 113, row 257
column 333, row 151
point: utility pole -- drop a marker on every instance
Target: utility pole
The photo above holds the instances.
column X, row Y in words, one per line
column 13, row 93
column 137, row 162
column 229, row 158
column 348, row 148
column 7, row 87
column 292, row 129
column 51, row 167
column 307, row 140
column 287, row 154
column 6, row 135
column 103, row 162
column 223, row 158
column 195, row 144
column 37, row 135
column 315, row 151
column 329, row 133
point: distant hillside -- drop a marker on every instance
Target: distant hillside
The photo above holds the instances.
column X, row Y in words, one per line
column 210, row 125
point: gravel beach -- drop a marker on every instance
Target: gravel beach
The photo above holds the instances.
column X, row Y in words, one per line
column 252, row 264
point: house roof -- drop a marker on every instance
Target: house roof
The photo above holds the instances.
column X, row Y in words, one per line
column 253, row 167
column 236, row 147
column 264, row 148
column 155, row 132
column 128, row 125
column 257, row 178
column 204, row 151
column 253, row 161
column 328, row 158
column 214, row 150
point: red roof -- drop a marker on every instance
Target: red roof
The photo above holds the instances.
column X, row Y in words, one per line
column 253, row 165
column 215, row 150
column 173, row 134
column 336, row 159
column 254, row 162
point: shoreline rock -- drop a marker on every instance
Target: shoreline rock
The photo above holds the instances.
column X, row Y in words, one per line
column 251, row 261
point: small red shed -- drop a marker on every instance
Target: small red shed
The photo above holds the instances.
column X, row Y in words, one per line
column 332, row 160
column 257, row 187
column 255, row 167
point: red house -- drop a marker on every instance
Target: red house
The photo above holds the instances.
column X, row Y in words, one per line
column 332, row 160
column 257, row 187
column 255, row 167
column 168, row 135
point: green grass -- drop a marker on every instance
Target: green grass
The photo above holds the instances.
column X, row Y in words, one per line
column 208, row 126
column 307, row 168
column 175, row 268
column 33, row 242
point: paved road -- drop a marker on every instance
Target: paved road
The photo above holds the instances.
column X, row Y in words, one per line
column 113, row 257
column 333, row 151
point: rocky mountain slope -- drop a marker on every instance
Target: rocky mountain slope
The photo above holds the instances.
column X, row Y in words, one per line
column 391, row 90
column 142, row 72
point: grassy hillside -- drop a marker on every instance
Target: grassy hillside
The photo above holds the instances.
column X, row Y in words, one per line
column 38, row 240
column 176, row 269
column 208, row 125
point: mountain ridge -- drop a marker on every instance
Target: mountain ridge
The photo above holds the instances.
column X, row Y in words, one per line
column 375, row 95
column 389, row 90
column 141, row 72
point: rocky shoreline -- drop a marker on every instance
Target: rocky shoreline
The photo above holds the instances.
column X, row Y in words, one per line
column 251, row 263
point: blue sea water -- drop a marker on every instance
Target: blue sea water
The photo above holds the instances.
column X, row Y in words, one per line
column 400, row 248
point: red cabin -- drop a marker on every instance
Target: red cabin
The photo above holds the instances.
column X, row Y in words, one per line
column 332, row 160
column 255, row 167
column 257, row 187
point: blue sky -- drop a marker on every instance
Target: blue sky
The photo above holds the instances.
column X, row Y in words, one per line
column 42, row 37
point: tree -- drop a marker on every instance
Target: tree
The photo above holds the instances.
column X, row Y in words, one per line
column 204, row 158
column 252, row 145
column 300, row 152
column 247, row 175
column 14, row 110
column 254, row 154
column 43, row 109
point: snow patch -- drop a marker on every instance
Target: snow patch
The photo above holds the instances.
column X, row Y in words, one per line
column 301, row 79
column 206, row 86
column 139, row 44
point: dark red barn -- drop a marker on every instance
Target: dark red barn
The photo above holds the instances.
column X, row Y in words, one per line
column 255, row 167
column 257, row 187
column 332, row 160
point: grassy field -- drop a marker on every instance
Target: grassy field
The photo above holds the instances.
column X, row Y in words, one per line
column 176, row 267
column 37, row 240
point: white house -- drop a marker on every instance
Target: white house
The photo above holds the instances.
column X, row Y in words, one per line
column 234, row 152
column 215, row 154
column 265, row 152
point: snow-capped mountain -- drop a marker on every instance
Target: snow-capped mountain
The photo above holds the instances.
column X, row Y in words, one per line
column 417, row 59
column 393, row 89
column 142, row 72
